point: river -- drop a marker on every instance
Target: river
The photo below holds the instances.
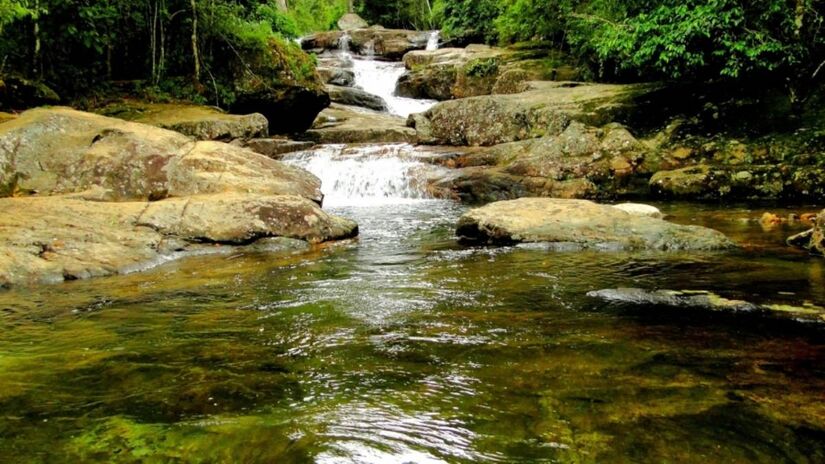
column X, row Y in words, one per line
column 404, row 346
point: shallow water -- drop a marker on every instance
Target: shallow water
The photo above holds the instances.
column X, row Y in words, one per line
column 404, row 346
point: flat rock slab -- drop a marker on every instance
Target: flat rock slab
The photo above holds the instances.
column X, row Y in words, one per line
column 51, row 239
column 347, row 124
column 581, row 223
column 199, row 122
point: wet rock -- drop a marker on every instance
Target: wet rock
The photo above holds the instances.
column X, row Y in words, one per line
column 812, row 240
column 351, row 21
column 703, row 300
column 388, row 43
column 545, row 110
column 337, row 76
column 200, row 122
column 640, row 209
column 59, row 150
column 353, row 96
column 346, row 124
column 581, row 223
column 51, row 239
column 275, row 148
column 690, row 182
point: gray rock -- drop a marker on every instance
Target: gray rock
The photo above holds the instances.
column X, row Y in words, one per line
column 583, row 223
column 352, row 21
column 353, row 96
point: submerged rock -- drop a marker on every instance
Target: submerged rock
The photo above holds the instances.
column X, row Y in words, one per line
column 702, row 300
column 51, row 239
column 581, row 223
column 200, row 122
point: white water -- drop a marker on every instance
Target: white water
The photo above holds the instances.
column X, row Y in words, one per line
column 380, row 77
column 432, row 42
column 366, row 175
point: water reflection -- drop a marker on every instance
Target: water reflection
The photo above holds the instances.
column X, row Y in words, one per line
column 406, row 347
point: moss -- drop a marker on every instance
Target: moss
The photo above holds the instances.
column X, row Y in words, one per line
column 482, row 67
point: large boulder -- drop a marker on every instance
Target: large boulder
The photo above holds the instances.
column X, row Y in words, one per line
column 351, row 21
column 388, row 43
column 581, row 162
column 581, row 223
column 199, row 122
column 280, row 83
column 450, row 73
column 130, row 195
column 51, row 239
column 353, row 96
column 347, row 124
column 545, row 110
column 60, row 150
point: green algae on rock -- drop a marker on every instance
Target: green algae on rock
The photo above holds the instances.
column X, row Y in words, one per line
column 582, row 224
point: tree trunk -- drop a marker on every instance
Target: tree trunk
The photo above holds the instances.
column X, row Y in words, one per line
column 196, row 77
column 282, row 5
column 36, row 62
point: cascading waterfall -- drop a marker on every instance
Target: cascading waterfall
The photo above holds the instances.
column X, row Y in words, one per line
column 366, row 175
column 379, row 78
column 432, row 42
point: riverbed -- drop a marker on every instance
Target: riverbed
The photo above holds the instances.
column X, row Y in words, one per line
column 405, row 346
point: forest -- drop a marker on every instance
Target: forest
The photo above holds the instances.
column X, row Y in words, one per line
column 181, row 47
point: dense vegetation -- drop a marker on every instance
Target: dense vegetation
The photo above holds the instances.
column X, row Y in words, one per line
column 782, row 40
column 179, row 46
column 75, row 45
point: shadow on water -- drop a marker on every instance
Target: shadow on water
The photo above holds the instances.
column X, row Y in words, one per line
column 404, row 346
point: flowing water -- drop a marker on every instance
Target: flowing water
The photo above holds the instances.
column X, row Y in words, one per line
column 380, row 78
column 406, row 347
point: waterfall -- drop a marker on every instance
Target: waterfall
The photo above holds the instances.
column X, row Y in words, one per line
column 432, row 42
column 366, row 175
column 379, row 78
column 343, row 43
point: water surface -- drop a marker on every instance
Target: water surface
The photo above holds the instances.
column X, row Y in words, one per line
column 404, row 346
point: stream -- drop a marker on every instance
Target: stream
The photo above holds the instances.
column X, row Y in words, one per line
column 404, row 346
